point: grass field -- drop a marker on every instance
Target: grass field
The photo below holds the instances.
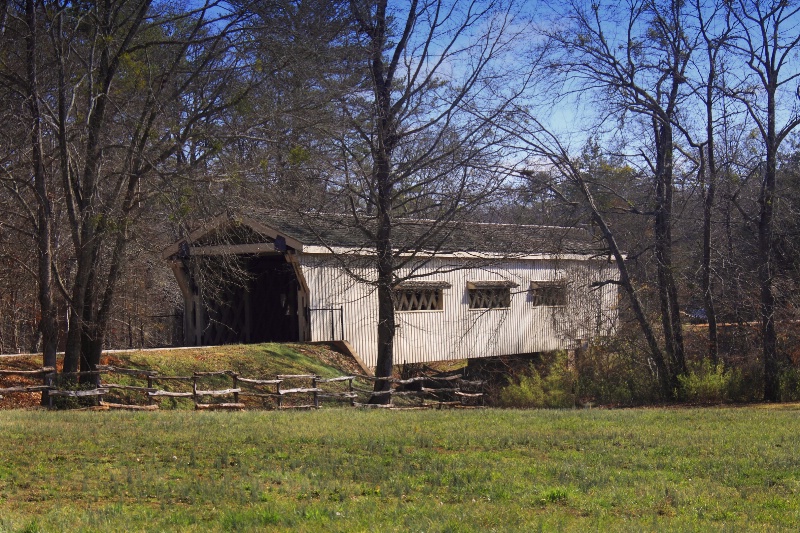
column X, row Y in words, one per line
column 715, row 469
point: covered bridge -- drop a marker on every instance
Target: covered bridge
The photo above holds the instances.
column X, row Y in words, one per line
column 482, row 290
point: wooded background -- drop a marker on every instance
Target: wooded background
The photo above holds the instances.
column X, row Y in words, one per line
column 668, row 128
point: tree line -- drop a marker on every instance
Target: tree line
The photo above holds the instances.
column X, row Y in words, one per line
column 666, row 127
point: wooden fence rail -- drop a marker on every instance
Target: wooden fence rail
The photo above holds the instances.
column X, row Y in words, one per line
column 40, row 372
column 225, row 389
column 441, row 391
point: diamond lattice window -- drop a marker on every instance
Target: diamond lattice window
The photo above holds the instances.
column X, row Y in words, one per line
column 548, row 293
column 489, row 294
column 420, row 296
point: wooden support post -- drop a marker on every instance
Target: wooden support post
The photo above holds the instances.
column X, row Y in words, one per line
column 278, row 392
column 189, row 318
column 194, row 388
column 303, row 323
column 149, row 386
column 199, row 321
column 248, row 326
column 235, row 386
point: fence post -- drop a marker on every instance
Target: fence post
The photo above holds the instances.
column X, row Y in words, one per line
column 278, row 392
column 350, row 390
column 149, row 386
column 49, row 382
column 316, row 394
column 235, row 386
column 194, row 387
column 99, row 397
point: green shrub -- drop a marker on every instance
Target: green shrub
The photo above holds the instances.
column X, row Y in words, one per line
column 708, row 383
column 616, row 371
column 746, row 384
column 530, row 389
column 526, row 392
column 790, row 385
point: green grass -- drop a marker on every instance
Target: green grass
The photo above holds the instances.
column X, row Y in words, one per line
column 721, row 469
column 250, row 360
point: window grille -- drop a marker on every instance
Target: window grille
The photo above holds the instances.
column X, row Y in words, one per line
column 420, row 295
column 489, row 294
column 548, row 293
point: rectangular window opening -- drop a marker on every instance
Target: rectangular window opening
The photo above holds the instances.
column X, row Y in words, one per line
column 490, row 294
column 489, row 298
column 548, row 293
column 420, row 296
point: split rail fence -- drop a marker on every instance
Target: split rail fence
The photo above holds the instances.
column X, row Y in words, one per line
column 146, row 390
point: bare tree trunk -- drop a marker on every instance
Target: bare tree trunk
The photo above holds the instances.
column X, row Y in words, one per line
column 387, row 137
column 664, row 376
column 660, row 226
column 709, row 176
column 385, row 263
column 88, row 328
column 560, row 158
column 707, row 172
column 667, row 289
column 80, row 288
column 386, row 332
column 100, row 318
column 765, row 267
column 47, row 323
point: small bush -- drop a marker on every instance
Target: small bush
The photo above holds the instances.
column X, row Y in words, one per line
column 526, row 392
column 746, row 384
column 530, row 389
column 708, row 383
column 790, row 385
column 616, row 371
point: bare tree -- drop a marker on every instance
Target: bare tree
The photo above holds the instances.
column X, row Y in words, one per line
column 26, row 177
column 766, row 38
column 566, row 173
column 420, row 141
column 714, row 28
column 633, row 56
column 44, row 220
column 121, row 96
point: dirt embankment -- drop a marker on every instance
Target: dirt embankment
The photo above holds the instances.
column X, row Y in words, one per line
column 322, row 353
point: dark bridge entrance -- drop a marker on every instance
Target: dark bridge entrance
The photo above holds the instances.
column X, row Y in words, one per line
column 261, row 306
column 241, row 283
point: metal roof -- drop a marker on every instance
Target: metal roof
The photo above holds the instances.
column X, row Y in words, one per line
column 408, row 235
column 336, row 230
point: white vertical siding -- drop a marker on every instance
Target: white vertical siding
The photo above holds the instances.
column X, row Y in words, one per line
column 330, row 286
column 458, row 332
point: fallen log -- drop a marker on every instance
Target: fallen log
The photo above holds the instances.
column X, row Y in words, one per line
column 122, row 406
column 214, row 406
